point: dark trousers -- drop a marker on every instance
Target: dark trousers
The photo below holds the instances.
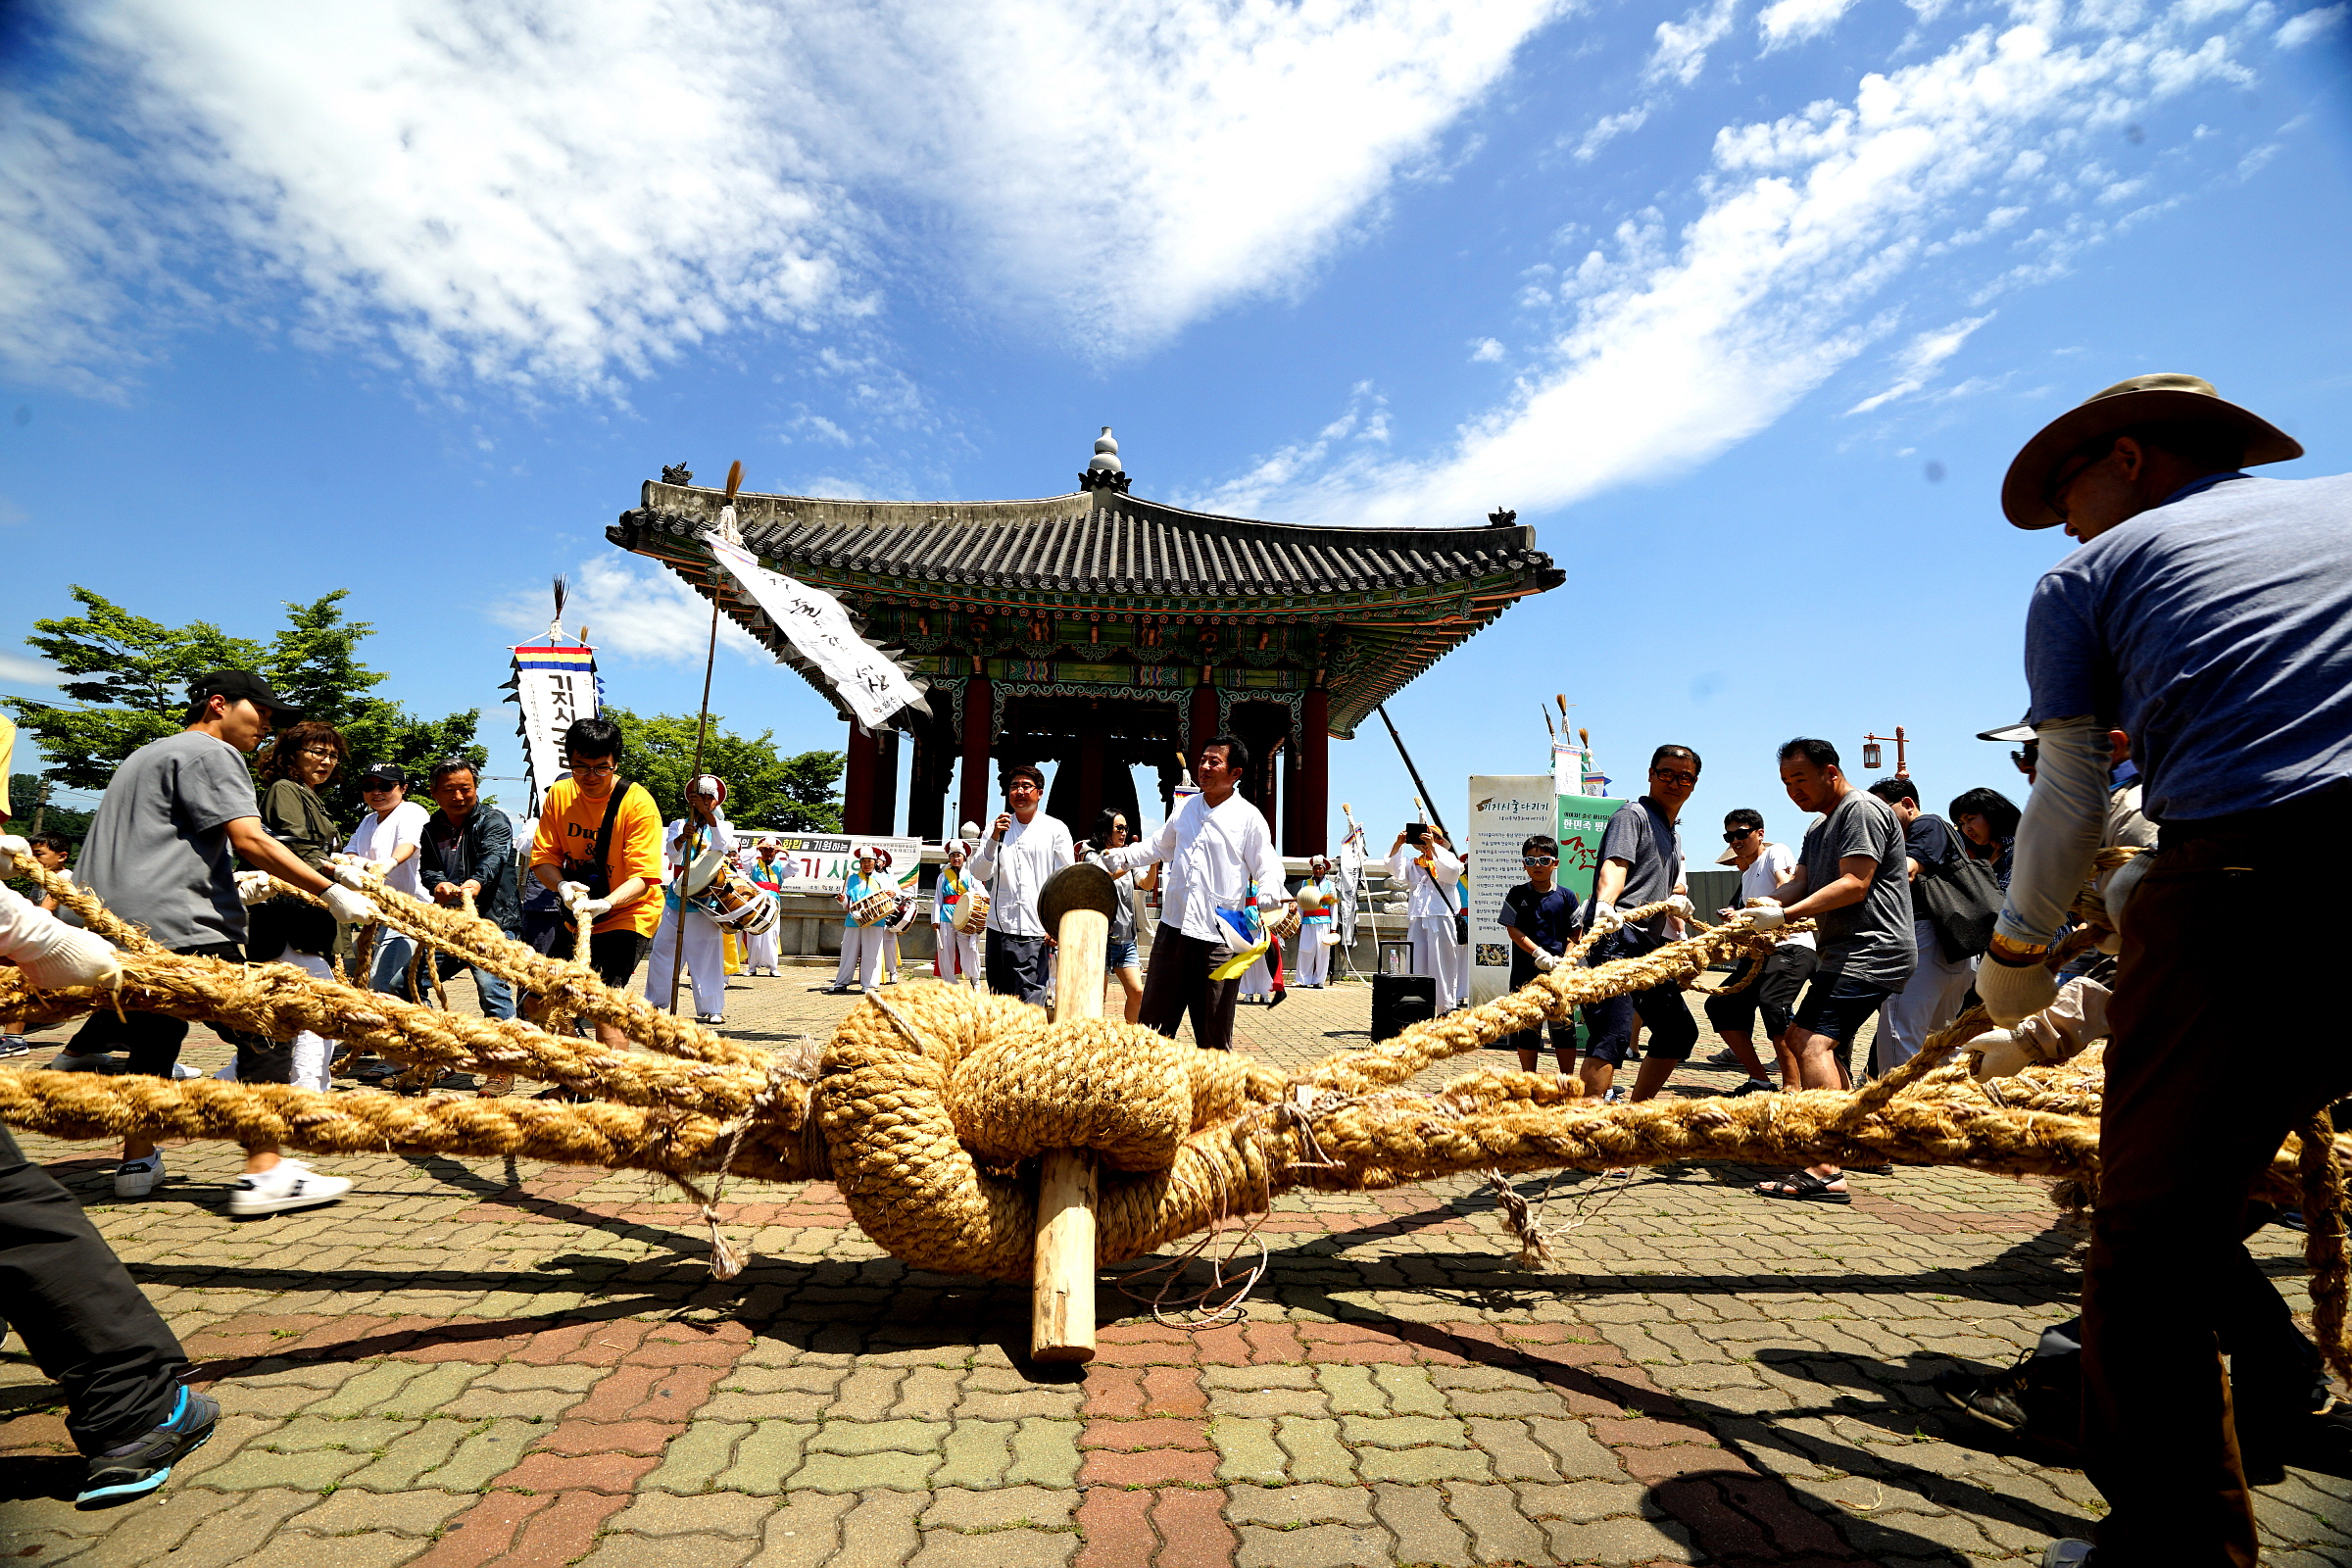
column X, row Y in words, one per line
column 154, row 1038
column 2178, row 1160
column 1178, row 983
column 72, row 1302
column 1017, row 967
column 1609, row 1025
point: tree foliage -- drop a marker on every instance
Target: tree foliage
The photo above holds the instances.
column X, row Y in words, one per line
column 765, row 789
column 131, row 675
column 25, row 799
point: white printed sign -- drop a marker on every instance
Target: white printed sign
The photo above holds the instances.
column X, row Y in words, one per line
column 1504, row 812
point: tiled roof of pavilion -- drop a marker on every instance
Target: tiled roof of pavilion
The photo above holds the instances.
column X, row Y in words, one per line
column 1100, row 589
column 1094, row 543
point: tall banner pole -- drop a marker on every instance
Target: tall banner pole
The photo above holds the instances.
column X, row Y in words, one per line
column 691, row 832
column 1431, row 801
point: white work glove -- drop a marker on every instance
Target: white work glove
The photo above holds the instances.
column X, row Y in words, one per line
column 14, row 849
column 2013, row 995
column 52, row 954
column 1546, row 962
column 348, row 908
column 2000, row 1056
column 354, row 874
column 591, row 909
column 1605, row 917
column 1766, row 914
column 572, row 893
column 1680, row 904
column 253, row 887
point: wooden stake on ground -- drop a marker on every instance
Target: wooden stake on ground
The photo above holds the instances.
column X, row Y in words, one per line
column 1076, row 907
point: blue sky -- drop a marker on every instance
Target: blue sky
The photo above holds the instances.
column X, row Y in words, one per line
column 1744, row 307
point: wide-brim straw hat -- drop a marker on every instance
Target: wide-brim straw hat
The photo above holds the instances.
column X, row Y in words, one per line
column 2166, row 398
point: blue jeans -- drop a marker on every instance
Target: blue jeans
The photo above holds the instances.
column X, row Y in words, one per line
column 389, row 969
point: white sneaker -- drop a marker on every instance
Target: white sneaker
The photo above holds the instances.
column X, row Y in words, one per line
column 2066, row 1553
column 136, row 1178
column 288, row 1184
column 66, row 1061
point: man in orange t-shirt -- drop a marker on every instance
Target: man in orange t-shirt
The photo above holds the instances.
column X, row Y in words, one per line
column 627, row 911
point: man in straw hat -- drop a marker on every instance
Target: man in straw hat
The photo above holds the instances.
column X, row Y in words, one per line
column 2209, row 615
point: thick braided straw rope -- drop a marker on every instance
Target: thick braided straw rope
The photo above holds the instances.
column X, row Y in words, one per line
column 930, row 1102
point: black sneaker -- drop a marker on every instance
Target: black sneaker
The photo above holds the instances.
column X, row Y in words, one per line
column 144, row 1463
column 1754, row 1085
column 1998, row 1398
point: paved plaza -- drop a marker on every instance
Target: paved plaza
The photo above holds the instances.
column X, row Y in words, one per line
column 473, row 1362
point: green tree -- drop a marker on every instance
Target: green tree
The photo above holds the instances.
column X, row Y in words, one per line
column 132, row 675
column 25, row 798
column 765, row 789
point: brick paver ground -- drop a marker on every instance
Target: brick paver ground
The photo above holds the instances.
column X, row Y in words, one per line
column 472, row 1363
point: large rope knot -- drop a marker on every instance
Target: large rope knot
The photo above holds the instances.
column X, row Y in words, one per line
column 934, row 1097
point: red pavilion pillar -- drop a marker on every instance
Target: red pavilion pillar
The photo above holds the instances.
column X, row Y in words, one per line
column 974, row 798
column 1307, row 820
column 1089, row 778
column 1202, row 723
column 863, row 767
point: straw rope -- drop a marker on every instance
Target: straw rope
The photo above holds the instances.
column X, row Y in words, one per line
column 931, row 1102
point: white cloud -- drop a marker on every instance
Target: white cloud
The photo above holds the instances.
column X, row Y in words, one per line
column 566, row 196
column 644, row 612
column 1920, row 360
column 1682, row 50
column 1607, row 129
column 1785, row 21
column 1682, row 344
column 2302, row 28
column 18, row 671
column 1486, row 351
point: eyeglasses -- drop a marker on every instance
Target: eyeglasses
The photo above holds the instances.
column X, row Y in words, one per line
column 592, row 769
column 1538, row 859
column 1733, row 835
column 324, row 753
column 2063, row 476
column 1674, row 776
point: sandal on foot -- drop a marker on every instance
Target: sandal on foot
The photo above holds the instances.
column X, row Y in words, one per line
column 1804, row 1186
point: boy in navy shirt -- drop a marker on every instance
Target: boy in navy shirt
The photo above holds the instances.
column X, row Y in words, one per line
column 1540, row 914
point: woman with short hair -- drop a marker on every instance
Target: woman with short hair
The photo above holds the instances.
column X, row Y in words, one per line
column 1988, row 822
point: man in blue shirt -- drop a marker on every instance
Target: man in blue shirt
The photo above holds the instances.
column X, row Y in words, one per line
column 2209, row 615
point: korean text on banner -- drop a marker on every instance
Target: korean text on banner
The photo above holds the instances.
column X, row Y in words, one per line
column 1583, row 817
column 555, row 685
column 1504, row 812
column 820, row 632
column 820, row 863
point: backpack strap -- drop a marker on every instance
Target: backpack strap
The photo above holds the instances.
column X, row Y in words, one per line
column 604, row 831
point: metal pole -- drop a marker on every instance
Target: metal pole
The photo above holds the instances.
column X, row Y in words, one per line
column 1428, row 798
column 690, row 831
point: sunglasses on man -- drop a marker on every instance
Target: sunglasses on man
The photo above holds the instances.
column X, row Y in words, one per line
column 1733, row 835
column 1538, row 859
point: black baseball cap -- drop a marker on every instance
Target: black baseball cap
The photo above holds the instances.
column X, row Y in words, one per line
column 389, row 772
column 235, row 684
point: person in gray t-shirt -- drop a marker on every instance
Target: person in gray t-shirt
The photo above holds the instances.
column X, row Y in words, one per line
column 162, row 852
column 1852, row 879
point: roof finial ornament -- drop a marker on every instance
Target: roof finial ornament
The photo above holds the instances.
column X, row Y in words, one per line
column 1102, row 470
column 676, row 473
column 1502, row 519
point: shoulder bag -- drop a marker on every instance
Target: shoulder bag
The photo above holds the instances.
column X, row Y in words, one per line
column 1963, row 900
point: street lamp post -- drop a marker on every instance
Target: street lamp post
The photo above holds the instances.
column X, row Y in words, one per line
column 1872, row 758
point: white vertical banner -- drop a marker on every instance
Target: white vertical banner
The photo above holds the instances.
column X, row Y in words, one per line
column 555, row 685
column 1505, row 811
column 821, row 631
